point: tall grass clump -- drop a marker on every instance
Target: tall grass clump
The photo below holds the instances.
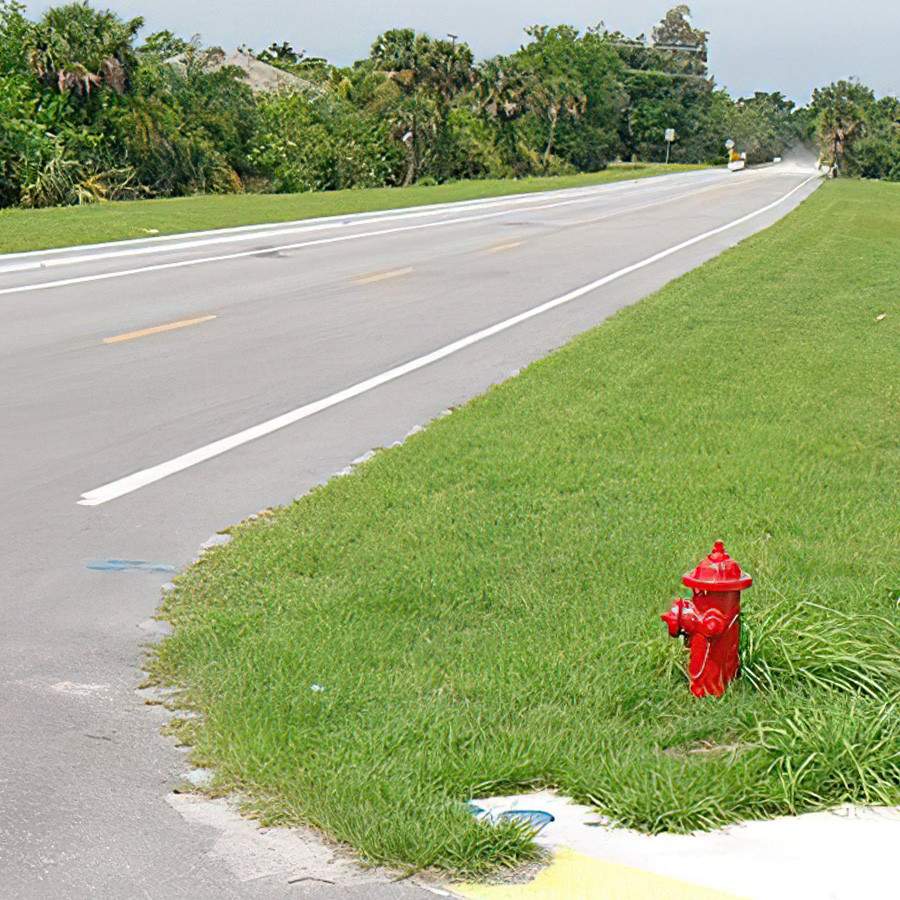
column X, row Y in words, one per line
column 816, row 646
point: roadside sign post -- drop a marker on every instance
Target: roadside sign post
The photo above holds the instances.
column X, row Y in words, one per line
column 670, row 136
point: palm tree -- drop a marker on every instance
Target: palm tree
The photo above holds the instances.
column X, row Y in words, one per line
column 447, row 69
column 500, row 89
column 842, row 118
column 75, row 48
column 552, row 97
column 397, row 54
column 554, row 89
column 428, row 74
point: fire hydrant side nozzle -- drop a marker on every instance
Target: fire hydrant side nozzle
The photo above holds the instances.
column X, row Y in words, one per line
column 710, row 622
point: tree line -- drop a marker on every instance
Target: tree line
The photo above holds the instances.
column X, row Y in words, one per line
column 89, row 111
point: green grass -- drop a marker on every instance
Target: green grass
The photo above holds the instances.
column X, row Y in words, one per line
column 482, row 604
column 40, row 229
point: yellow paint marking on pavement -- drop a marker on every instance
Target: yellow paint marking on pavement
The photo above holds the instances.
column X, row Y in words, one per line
column 157, row 329
column 499, row 248
column 574, row 876
column 382, row 276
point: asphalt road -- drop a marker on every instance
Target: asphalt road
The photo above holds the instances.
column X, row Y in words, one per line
column 277, row 319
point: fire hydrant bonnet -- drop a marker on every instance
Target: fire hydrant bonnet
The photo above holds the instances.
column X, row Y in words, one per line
column 718, row 572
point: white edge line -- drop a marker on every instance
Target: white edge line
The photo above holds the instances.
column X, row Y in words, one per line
column 158, row 243
column 141, row 479
column 163, row 243
column 261, row 251
column 328, row 223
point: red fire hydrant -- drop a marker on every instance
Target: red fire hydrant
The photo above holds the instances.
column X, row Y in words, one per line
column 710, row 621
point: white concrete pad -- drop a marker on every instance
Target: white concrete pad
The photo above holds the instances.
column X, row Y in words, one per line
column 842, row 854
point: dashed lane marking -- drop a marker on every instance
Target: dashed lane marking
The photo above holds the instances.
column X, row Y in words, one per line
column 156, row 329
column 382, row 276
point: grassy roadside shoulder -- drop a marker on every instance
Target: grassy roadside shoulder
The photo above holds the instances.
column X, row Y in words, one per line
column 477, row 611
column 41, row 229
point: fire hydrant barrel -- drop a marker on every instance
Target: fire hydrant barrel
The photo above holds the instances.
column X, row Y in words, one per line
column 710, row 621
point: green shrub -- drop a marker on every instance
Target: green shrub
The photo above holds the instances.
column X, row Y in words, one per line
column 309, row 144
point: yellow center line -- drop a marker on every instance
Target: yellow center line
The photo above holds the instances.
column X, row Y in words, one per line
column 156, row 329
column 499, row 248
column 382, row 276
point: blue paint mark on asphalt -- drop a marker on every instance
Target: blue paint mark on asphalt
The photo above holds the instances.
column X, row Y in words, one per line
column 123, row 565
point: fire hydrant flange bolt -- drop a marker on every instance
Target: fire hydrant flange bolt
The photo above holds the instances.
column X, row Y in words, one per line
column 711, row 621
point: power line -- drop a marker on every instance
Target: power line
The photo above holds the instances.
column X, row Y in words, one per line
column 663, row 74
column 680, row 48
column 673, row 48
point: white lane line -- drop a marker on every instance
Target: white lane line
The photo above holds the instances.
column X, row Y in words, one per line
column 138, row 480
column 29, row 260
column 330, row 223
column 322, row 223
column 245, row 254
column 163, row 244
column 261, row 251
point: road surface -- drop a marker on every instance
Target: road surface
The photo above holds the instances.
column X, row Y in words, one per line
column 153, row 393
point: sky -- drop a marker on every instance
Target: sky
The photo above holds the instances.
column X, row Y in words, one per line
column 787, row 45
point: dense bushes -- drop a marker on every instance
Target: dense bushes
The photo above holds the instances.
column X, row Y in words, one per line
column 87, row 115
column 188, row 131
column 306, row 144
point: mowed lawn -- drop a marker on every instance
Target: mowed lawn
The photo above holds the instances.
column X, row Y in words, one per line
column 477, row 611
column 39, row 229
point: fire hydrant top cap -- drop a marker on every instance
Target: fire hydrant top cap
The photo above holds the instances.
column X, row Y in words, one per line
column 718, row 572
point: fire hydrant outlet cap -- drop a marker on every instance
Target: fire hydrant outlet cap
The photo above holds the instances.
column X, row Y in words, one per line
column 718, row 572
